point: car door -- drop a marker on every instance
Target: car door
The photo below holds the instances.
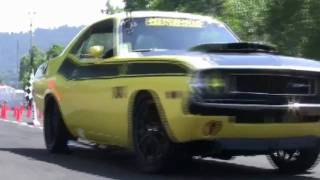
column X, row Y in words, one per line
column 90, row 82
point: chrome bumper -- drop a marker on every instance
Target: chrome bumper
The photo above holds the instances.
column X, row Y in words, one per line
column 291, row 106
column 301, row 108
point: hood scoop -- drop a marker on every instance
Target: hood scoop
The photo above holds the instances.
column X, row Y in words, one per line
column 241, row 47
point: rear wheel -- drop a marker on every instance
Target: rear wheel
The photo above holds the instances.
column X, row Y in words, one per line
column 294, row 161
column 153, row 148
column 55, row 132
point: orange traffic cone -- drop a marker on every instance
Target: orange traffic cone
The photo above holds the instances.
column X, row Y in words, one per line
column 4, row 111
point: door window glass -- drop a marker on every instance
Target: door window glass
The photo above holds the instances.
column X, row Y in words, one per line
column 99, row 35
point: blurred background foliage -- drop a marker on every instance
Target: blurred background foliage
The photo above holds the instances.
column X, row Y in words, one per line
column 39, row 57
column 291, row 25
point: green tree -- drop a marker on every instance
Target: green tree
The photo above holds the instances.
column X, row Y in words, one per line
column 311, row 47
column 210, row 7
column 246, row 18
column 286, row 23
column 25, row 65
column 133, row 5
column 110, row 9
column 39, row 57
column 54, row 51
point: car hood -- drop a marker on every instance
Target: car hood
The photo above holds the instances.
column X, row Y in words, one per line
column 261, row 59
column 242, row 60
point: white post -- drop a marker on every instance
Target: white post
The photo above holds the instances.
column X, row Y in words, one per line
column 35, row 120
column 35, row 114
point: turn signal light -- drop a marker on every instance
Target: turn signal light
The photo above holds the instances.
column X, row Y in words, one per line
column 212, row 128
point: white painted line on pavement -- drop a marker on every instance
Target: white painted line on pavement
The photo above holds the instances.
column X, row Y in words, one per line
column 21, row 123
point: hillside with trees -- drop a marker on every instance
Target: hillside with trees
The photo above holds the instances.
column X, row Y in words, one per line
column 14, row 46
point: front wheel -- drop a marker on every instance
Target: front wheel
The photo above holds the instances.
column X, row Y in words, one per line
column 55, row 132
column 153, row 148
column 294, row 161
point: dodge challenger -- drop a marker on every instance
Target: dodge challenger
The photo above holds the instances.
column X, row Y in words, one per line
column 171, row 86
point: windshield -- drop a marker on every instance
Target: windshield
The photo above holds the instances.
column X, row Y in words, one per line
column 157, row 33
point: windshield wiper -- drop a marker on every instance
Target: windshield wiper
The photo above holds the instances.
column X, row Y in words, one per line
column 241, row 47
column 148, row 50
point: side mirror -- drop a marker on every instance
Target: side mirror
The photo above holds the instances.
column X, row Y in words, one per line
column 96, row 51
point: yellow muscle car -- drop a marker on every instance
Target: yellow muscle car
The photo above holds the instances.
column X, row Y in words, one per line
column 170, row 86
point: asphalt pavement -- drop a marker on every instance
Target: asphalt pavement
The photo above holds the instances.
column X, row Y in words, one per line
column 23, row 156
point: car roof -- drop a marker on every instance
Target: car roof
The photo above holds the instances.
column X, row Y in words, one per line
column 169, row 14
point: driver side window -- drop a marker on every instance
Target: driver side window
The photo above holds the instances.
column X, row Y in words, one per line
column 101, row 36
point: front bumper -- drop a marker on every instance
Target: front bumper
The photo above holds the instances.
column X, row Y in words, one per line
column 267, row 144
column 205, row 108
column 252, row 146
column 198, row 121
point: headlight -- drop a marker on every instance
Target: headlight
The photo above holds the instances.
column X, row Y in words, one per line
column 216, row 84
column 209, row 84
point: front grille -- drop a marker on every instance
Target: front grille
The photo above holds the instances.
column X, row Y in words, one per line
column 272, row 84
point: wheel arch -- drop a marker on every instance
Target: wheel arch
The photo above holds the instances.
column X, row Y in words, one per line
column 49, row 99
column 132, row 101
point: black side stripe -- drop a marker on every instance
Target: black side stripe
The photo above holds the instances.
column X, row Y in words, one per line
column 154, row 68
column 96, row 71
column 71, row 70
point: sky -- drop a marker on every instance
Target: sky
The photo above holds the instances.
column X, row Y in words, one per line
column 15, row 14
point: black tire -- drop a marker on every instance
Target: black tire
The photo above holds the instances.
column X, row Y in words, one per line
column 55, row 132
column 294, row 161
column 153, row 148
